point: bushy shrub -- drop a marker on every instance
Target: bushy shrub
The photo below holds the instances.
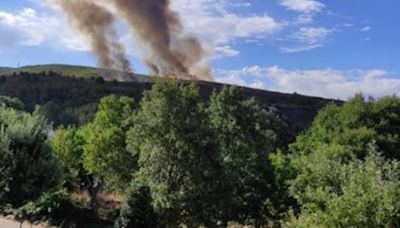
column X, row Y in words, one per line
column 52, row 206
column 10, row 102
column 337, row 175
column 5, row 168
column 357, row 194
column 28, row 166
column 138, row 211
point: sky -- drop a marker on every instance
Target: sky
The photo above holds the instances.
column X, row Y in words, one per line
column 329, row 48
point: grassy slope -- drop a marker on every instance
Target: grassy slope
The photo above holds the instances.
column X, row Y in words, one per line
column 71, row 70
column 79, row 71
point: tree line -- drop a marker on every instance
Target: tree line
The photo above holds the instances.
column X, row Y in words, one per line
column 177, row 160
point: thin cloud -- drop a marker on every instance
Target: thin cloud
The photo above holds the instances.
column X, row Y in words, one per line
column 303, row 6
column 327, row 83
column 306, row 39
column 366, row 29
column 300, row 49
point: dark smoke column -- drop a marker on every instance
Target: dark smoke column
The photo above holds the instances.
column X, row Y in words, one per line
column 95, row 23
column 168, row 51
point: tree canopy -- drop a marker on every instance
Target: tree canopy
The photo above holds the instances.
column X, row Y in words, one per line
column 28, row 165
column 172, row 141
column 174, row 159
column 345, row 169
column 245, row 135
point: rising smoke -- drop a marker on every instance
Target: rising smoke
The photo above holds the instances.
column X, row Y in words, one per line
column 159, row 28
column 95, row 23
column 168, row 51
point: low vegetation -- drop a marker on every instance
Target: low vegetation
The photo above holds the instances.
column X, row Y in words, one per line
column 173, row 160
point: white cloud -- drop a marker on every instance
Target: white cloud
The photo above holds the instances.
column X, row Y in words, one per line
column 22, row 28
column 311, row 35
column 366, row 29
column 230, row 77
column 303, row 19
column 305, row 39
column 300, row 48
column 224, row 51
column 215, row 24
column 366, row 39
column 27, row 27
column 319, row 82
column 303, row 6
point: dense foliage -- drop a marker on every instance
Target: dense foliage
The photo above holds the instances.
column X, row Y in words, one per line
column 28, row 165
column 176, row 160
column 175, row 152
column 245, row 135
column 354, row 125
column 138, row 211
column 95, row 153
column 104, row 150
column 360, row 193
column 342, row 172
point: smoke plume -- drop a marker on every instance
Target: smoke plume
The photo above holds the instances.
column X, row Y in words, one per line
column 95, row 24
column 168, row 51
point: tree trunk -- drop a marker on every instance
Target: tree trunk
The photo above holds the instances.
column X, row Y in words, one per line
column 224, row 223
column 94, row 186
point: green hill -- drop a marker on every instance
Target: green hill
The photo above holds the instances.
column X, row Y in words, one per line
column 72, row 70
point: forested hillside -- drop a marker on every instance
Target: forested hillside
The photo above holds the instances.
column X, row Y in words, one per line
column 67, row 99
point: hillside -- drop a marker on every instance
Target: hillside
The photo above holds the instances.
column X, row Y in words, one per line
column 72, row 70
column 69, row 98
column 5, row 69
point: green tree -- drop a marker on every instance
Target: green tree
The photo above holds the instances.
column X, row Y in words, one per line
column 104, row 152
column 54, row 112
column 5, row 167
column 68, row 145
column 28, row 166
column 342, row 133
column 172, row 139
column 336, row 177
column 364, row 194
column 354, row 125
column 138, row 211
column 245, row 135
column 97, row 152
column 10, row 102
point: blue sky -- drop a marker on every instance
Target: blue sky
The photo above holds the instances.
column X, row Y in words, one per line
column 324, row 48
